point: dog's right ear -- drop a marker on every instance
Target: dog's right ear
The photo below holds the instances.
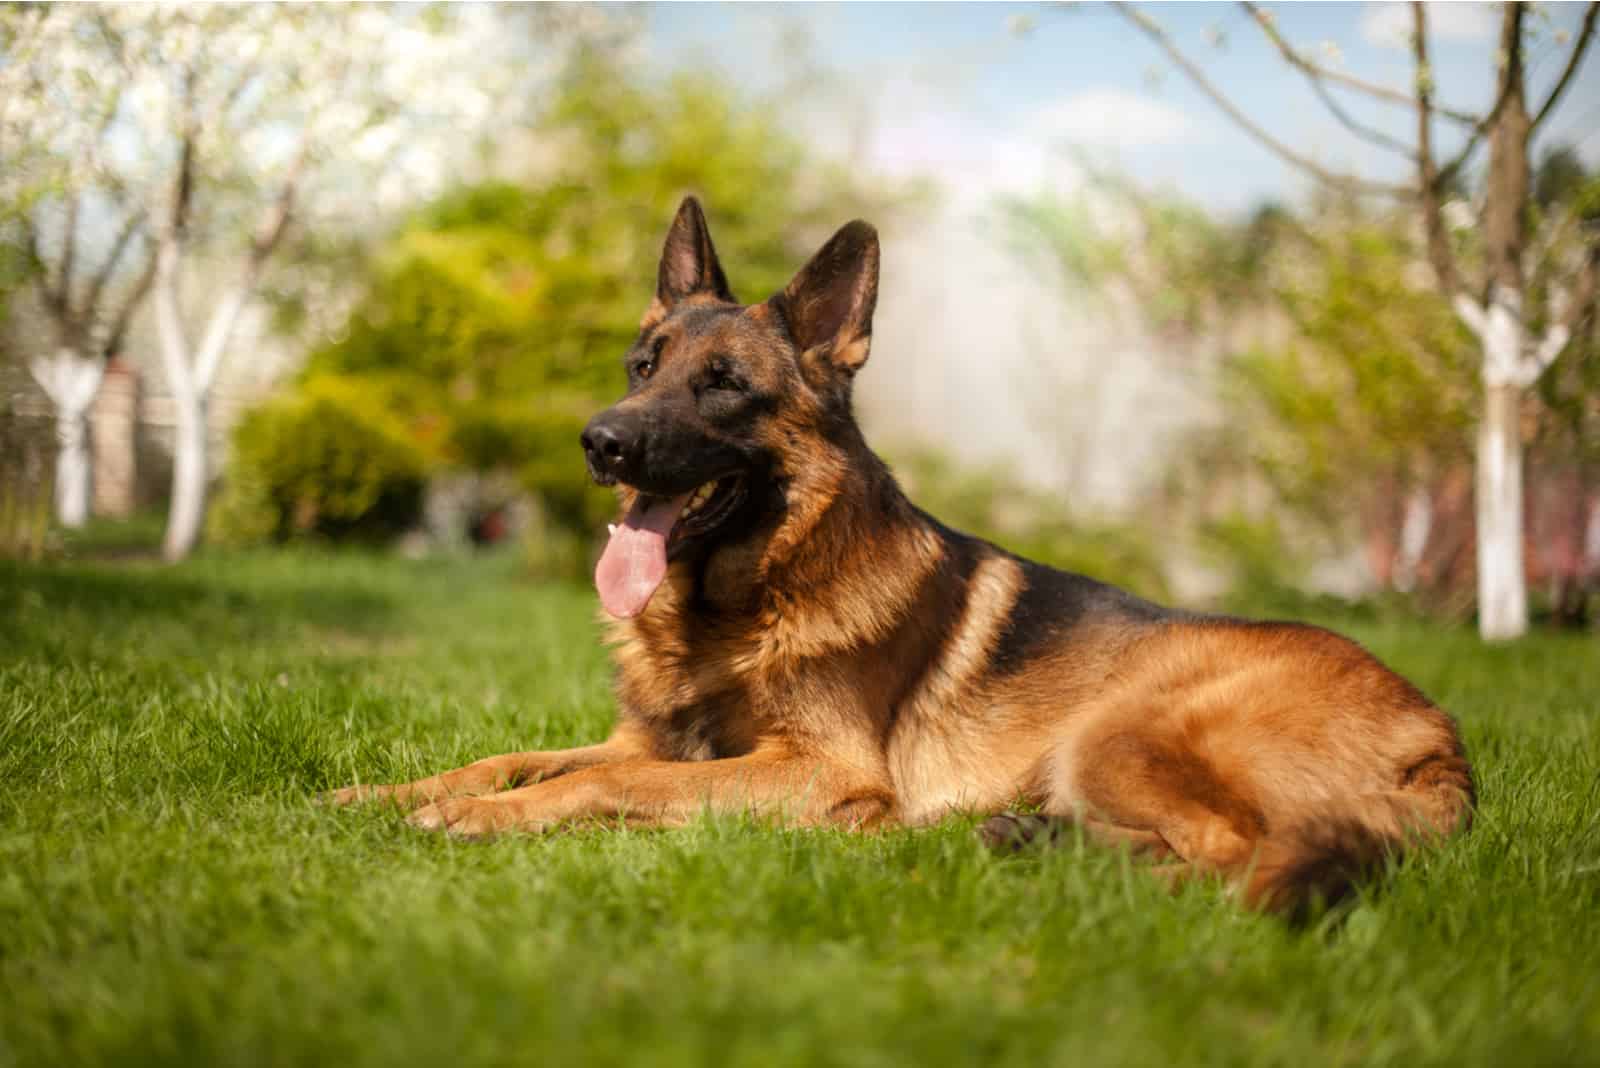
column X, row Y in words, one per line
column 828, row 306
column 688, row 264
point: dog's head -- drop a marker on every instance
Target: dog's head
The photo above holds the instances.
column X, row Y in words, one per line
column 724, row 400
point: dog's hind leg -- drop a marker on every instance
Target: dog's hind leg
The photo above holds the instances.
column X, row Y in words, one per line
column 1135, row 787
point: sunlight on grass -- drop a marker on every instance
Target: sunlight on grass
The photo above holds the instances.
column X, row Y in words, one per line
column 169, row 892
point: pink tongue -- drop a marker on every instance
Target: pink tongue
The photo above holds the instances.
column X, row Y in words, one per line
column 635, row 560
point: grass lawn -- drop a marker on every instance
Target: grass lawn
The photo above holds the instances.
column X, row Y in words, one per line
column 169, row 893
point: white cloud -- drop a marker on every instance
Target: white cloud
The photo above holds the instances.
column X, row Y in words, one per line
column 1388, row 24
column 1112, row 118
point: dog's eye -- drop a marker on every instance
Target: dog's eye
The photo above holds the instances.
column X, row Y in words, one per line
column 721, row 379
column 647, row 366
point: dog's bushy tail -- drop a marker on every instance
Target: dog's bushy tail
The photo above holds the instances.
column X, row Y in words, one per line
column 1320, row 859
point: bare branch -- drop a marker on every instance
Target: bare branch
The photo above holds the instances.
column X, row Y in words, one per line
column 1580, row 301
column 69, row 254
column 169, row 315
column 1317, row 80
column 168, row 258
column 1346, row 182
column 183, row 186
column 1573, row 62
column 33, row 248
column 102, row 277
column 1484, row 125
column 130, row 303
column 47, row 373
column 1542, row 258
column 1439, row 252
column 276, row 219
column 1506, row 192
column 1318, row 73
column 1470, row 312
column 1475, row 138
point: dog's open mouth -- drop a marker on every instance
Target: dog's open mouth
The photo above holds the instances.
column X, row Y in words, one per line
column 655, row 529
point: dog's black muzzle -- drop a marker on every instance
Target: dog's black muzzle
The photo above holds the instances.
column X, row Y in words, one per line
column 612, row 443
column 655, row 452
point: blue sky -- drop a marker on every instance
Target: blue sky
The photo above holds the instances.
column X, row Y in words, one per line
column 947, row 89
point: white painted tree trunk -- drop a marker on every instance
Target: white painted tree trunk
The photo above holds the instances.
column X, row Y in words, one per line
column 1502, row 586
column 187, row 510
column 190, row 374
column 71, row 380
column 1502, row 581
column 73, row 479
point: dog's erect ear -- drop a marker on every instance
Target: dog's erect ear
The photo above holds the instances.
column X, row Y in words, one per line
column 688, row 263
column 828, row 305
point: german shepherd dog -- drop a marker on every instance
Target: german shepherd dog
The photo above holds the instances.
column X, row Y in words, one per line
column 794, row 638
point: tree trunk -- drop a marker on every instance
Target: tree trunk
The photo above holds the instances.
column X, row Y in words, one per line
column 1502, row 584
column 71, row 380
column 72, row 465
column 1502, row 588
column 189, row 476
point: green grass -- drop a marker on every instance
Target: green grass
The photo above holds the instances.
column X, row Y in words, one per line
column 168, row 892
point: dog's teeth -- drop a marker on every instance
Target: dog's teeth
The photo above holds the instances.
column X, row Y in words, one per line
column 611, row 528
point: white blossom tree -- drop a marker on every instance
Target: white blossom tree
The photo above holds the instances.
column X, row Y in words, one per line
column 229, row 124
column 325, row 114
column 81, row 231
column 1518, row 337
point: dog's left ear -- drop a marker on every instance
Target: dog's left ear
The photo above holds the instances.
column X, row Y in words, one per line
column 828, row 305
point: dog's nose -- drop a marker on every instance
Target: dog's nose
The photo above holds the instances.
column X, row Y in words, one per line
column 608, row 441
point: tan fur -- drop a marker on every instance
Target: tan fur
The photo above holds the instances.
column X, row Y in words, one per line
column 850, row 662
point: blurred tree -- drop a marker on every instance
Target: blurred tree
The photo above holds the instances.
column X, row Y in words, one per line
column 1348, row 391
column 73, row 236
column 1363, row 416
column 1564, row 535
column 225, row 123
column 494, row 323
column 1519, row 335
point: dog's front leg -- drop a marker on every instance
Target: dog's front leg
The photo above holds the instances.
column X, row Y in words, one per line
column 803, row 790
column 496, row 773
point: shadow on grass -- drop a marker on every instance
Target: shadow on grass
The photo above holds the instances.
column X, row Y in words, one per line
column 37, row 599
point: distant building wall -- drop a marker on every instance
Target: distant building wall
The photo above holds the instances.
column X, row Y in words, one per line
column 114, row 437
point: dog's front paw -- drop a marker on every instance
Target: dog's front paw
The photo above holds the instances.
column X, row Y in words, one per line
column 472, row 817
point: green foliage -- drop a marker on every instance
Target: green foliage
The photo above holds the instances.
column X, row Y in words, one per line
column 1345, row 380
column 1569, row 430
column 26, row 451
column 1369, row 385
column 1558, row 176
column 170, row 895
column 994, row 505
column 493, row 326
column 329, row 459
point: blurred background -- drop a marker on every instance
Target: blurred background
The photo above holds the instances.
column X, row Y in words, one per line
column 1262, row 307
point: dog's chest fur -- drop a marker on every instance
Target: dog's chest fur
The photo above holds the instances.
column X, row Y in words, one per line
column 901, row 658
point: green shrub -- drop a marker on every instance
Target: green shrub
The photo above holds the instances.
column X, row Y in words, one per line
column 493, row 324
column 327, row 460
